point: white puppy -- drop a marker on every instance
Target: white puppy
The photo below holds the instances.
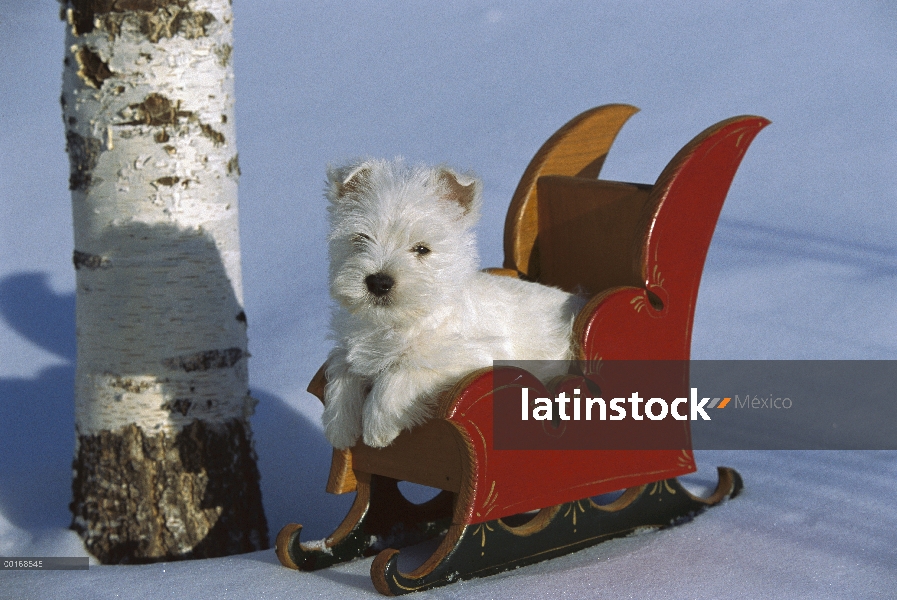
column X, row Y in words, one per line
column 415, row 314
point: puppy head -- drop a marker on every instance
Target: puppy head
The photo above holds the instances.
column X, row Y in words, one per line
column 400, row 238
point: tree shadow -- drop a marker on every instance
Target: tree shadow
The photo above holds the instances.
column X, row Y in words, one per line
column 37, row 415
column 37, row 313
column 37, row 433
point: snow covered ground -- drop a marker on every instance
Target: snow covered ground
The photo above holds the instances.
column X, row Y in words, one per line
column 803, row 264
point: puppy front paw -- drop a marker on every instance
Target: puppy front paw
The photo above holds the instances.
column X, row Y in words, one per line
column 342, row 435
column 380, row 426
column 342, row 416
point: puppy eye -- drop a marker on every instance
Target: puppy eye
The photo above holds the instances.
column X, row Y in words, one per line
column 420, row 249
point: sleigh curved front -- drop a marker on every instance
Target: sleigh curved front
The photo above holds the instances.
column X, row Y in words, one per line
column 647, row 312
column 640, row 250
column 501, row 483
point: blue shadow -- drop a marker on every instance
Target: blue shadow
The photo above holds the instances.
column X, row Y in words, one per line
column 37, row 436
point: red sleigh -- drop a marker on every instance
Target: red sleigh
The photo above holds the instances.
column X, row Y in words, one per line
column 639, row 251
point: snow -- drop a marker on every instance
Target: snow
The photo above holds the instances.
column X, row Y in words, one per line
column 803, row 264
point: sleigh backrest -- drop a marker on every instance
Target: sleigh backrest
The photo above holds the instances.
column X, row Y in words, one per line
column 589, row 233
column 645, row 244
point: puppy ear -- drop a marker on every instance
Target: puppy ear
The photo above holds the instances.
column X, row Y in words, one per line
column 461, row 189
column 346, row 180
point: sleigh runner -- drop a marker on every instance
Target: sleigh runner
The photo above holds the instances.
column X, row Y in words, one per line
column 638, row 251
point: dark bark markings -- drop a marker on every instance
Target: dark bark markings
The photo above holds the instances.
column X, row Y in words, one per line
column 83, row 156
column 94, row 71
column 155, row 19
column 158, row 110
column 83, row 260
column 208, row 359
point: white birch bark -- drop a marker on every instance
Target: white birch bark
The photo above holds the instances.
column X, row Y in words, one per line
column 148, row 107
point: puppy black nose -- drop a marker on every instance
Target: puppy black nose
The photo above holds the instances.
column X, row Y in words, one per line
column 379, row 284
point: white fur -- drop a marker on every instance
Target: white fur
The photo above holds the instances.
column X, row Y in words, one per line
column 442, row 318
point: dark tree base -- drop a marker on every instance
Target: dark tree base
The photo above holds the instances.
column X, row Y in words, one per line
column 141, row 498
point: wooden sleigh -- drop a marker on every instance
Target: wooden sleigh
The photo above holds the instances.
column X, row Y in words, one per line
column 639, row 251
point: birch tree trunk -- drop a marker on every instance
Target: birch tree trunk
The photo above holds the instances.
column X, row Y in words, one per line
column 164, row 464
